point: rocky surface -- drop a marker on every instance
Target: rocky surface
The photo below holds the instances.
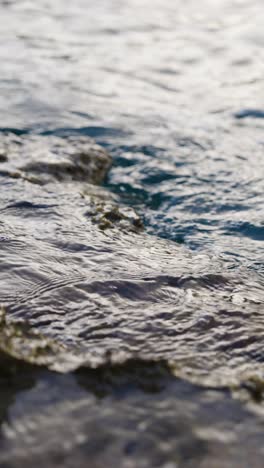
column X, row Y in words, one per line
column 119, row 292
column 120, row 316
column 41, row 159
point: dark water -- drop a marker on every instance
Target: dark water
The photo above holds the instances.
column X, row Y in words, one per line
column 155, row 335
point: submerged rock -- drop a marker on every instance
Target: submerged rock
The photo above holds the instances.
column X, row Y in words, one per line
column 43, row 159
column 131, row 415
column 121, row 313
column 19, row 342
column 104, row 292
column 110, row 215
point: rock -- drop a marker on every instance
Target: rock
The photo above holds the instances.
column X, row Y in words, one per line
column 44, row 159
column 109, row 216
column 20, row 343
column 97, row 291
column 117, row 313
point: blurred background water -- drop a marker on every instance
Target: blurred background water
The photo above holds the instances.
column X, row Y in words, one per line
column 174, row 90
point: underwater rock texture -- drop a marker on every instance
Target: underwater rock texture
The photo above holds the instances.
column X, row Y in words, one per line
column 106, row 418
column 121, row 314
column 115, row 295
column 48, row 159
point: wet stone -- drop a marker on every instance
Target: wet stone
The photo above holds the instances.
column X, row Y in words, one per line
column 117, row 346
column 20, row 344
column 109, row 216
column 116, row 294
column 44, row 159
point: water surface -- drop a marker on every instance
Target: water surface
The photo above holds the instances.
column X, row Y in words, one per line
column 166, row 322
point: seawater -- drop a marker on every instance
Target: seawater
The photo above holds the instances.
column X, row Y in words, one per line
column 174, row 92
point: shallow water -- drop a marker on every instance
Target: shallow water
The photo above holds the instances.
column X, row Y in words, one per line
column 170, row 317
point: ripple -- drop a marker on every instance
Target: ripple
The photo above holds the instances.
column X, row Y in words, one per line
column 249, row 230
column 130, row 294
column 173, row 91
column 253, row 113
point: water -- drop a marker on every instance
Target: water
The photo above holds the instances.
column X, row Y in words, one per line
column 166, row 323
